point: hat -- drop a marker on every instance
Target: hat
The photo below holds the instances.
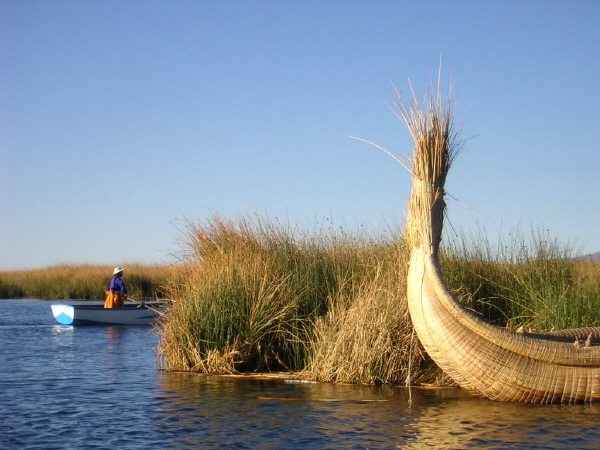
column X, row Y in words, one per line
column 117, row 270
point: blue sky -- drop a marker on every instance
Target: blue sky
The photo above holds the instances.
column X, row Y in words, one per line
column 122, row 119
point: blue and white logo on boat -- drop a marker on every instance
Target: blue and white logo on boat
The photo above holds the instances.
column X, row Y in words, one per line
column 64, row 314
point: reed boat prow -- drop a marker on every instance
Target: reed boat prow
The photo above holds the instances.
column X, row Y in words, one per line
column 486, row 360
column 494, row 362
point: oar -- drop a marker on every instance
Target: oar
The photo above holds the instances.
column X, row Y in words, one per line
column 142, row 303
column 139, row 302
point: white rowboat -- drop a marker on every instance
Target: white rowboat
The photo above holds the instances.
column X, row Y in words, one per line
column 131, row 314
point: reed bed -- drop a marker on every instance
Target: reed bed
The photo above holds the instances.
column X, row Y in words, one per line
column 259, row 296
column 240, row 300
column 83, row 282
column 255, row 295
column 252, row 294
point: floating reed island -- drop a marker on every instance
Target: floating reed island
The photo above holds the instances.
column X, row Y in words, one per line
column 487, row 360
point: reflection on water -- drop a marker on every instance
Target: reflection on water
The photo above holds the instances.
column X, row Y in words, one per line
column 260, row 413
column 464, row 422
column 99, row 387
column 337, row 416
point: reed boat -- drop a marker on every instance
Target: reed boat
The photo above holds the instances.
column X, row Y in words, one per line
column 486, row 360
column 131, row 314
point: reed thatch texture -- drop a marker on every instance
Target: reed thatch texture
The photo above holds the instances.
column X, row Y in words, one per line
column 486, row 360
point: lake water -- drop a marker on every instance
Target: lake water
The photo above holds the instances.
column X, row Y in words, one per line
column 99, row 387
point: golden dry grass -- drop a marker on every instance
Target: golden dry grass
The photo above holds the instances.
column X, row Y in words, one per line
column 82, row 281
column 255, row 296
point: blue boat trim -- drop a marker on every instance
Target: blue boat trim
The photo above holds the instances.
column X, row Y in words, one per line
column 64, row 319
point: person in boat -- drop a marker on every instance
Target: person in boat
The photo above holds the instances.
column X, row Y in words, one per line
column 117, row 292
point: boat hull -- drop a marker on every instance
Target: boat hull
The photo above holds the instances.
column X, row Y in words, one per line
column 98, row 315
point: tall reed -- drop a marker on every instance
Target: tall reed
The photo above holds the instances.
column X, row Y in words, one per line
column 242, row 299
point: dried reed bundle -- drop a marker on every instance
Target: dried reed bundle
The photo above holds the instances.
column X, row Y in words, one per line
column 437, row 144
